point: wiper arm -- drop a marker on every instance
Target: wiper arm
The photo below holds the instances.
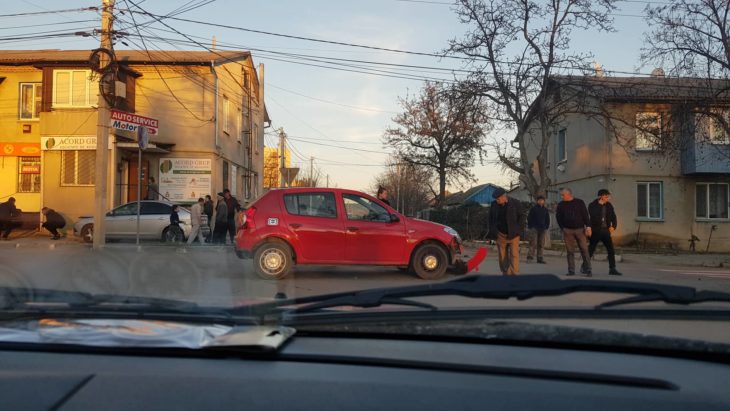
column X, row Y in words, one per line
column 493, row 287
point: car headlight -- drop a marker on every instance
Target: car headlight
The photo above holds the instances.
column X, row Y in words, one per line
column 450, row 231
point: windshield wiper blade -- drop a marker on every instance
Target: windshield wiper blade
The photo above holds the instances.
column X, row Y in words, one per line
column 490, row 287
column 698, row 297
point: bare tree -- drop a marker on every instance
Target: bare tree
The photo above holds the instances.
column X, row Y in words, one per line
column 309, row 177
column 515, row 48
column 441, row 129
column 409, row 186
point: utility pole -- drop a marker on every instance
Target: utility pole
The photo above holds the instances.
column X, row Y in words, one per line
column 282, row 152
column 102, row 134
column 311, row 171
column 328, row 181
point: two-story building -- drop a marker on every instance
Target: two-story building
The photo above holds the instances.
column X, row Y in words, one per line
column 666, row 164
column 209, row 106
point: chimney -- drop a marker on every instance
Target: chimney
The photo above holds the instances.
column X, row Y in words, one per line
column 213, row 43
column 598, row 68
column 657, row 73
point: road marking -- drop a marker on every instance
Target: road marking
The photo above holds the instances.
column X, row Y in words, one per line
column 725, row 275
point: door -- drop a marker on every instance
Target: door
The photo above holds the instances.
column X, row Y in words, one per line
column 133, row 180
column 313, row 220
column 371, row 237
column 120, row 222
column 153, row 219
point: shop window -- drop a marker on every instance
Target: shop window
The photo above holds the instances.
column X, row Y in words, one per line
column 77, row 167
column 29, row 174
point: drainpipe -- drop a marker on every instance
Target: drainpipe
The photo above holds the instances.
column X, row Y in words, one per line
column 215, row 105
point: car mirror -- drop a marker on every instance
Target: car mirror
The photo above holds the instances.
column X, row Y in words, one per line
column 394, row 218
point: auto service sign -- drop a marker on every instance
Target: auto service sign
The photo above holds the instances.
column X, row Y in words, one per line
column 185, row 179
column 124, row 121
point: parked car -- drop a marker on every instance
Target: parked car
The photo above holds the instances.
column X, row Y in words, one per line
column 335, row 226
column 121, row 222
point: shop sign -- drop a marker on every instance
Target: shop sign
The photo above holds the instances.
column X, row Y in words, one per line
column 68, row 143
column 124, row 121
column 20, row 149
column 185, row 179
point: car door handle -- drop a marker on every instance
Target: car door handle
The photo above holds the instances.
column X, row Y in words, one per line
column 295, row 225
column 352, row 229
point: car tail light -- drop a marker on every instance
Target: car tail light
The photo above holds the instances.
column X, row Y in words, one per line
column 248, row 218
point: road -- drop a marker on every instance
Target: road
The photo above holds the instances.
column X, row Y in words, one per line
column 214, row 275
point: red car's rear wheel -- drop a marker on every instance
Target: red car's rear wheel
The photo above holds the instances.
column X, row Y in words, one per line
column 273, row 260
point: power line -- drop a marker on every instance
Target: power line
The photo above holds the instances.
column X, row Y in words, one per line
column 36, row 13
column 334, row 146
column 269, row 84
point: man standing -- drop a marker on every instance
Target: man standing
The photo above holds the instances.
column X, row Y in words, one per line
column 152, row 189
column 538, row 220
column 572, row 217
column 505, row 225
column 8, row 212
column 53, row 222
column 233, row 206
column 208, row 210
column 221, row 221
column 603, row 224
column 196, row 214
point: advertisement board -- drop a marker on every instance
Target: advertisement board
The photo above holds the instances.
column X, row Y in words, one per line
column 185, row 179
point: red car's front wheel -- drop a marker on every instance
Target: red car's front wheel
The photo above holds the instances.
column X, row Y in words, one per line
column 430, row 261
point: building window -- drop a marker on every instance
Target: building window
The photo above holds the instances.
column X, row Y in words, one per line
column 562, row 148
column 29, row 174
column 74, row 88
column 650, row 201
column 648, row 131
column 712, row 201
column 77, row 167
column 30, row 101
column 712, row 127
column 226, row 115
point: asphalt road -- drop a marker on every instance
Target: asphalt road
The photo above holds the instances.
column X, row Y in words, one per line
column 214, row 275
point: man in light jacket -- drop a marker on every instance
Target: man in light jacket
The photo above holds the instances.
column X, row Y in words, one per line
column 196, row 211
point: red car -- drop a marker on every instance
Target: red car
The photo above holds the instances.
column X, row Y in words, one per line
column 326, row 226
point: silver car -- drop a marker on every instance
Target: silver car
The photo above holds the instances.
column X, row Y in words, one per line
column 121, row 222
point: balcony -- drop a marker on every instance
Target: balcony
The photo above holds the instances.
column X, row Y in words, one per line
column 704, row 157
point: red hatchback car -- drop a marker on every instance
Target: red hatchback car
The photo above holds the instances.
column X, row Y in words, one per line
column 325, row 226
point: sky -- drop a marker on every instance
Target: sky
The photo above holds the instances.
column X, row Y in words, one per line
column 338, row 117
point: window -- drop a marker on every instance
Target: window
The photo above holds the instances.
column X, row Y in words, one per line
column 29, row 174
column 649, row 201
column 360, row 208
column 74, row 88
column 77, row 167
column 152, row 208
column 712, row 127
column 648, row 131
column 126, row 209
column 712, row 201
column 226, row 115
column 562, row 149
column 311, row 204
column 30, row 101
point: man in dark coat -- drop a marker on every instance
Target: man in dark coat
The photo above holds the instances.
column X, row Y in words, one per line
column 572, row 217
column 8, row 214
column 232, row 206
column 505, row 226
column 603, row 223
column 538, row 221
column 221, row 220
column 53, row 222
column 208, row 207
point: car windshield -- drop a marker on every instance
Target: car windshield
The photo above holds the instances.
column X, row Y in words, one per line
column 276, row 162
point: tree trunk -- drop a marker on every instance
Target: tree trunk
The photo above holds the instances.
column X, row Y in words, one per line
column 442, row 189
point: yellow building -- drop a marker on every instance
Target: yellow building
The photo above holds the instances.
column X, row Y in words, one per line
column 272, row 165
column 209, row 107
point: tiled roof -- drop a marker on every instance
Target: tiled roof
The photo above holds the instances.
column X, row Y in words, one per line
column 650, row 88
column 23, row 57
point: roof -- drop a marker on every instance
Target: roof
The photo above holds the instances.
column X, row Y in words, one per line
column 55, row 56
column 650, row 88
column 471, row 195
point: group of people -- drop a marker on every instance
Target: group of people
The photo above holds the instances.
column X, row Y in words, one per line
column 10, row 216
column 225, row 211
column 582, row 227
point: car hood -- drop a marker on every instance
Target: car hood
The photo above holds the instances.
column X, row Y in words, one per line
column 419, row 224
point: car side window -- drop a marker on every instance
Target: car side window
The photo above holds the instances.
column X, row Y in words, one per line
column 156, row 208
column 311, row 204
column 127, row 209
column 363, row 209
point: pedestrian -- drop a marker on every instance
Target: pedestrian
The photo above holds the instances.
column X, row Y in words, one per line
column 208, row 211
column 383, row 195
column 152, row 189
column 196, row 218
column 221, row 221
column 573, row 220
column 603, row 224
column 538, row 221
column 53, row 222
column 505, row 225
column 8, row 214
column 233, row 206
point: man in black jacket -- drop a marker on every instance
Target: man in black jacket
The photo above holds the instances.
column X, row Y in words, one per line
column 538, row 220
column 8, row 214
column 603, row 224
column 53, row 222
column 572, row 217
column 505, row 226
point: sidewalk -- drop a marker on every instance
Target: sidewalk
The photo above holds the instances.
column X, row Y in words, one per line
column 676, row 260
